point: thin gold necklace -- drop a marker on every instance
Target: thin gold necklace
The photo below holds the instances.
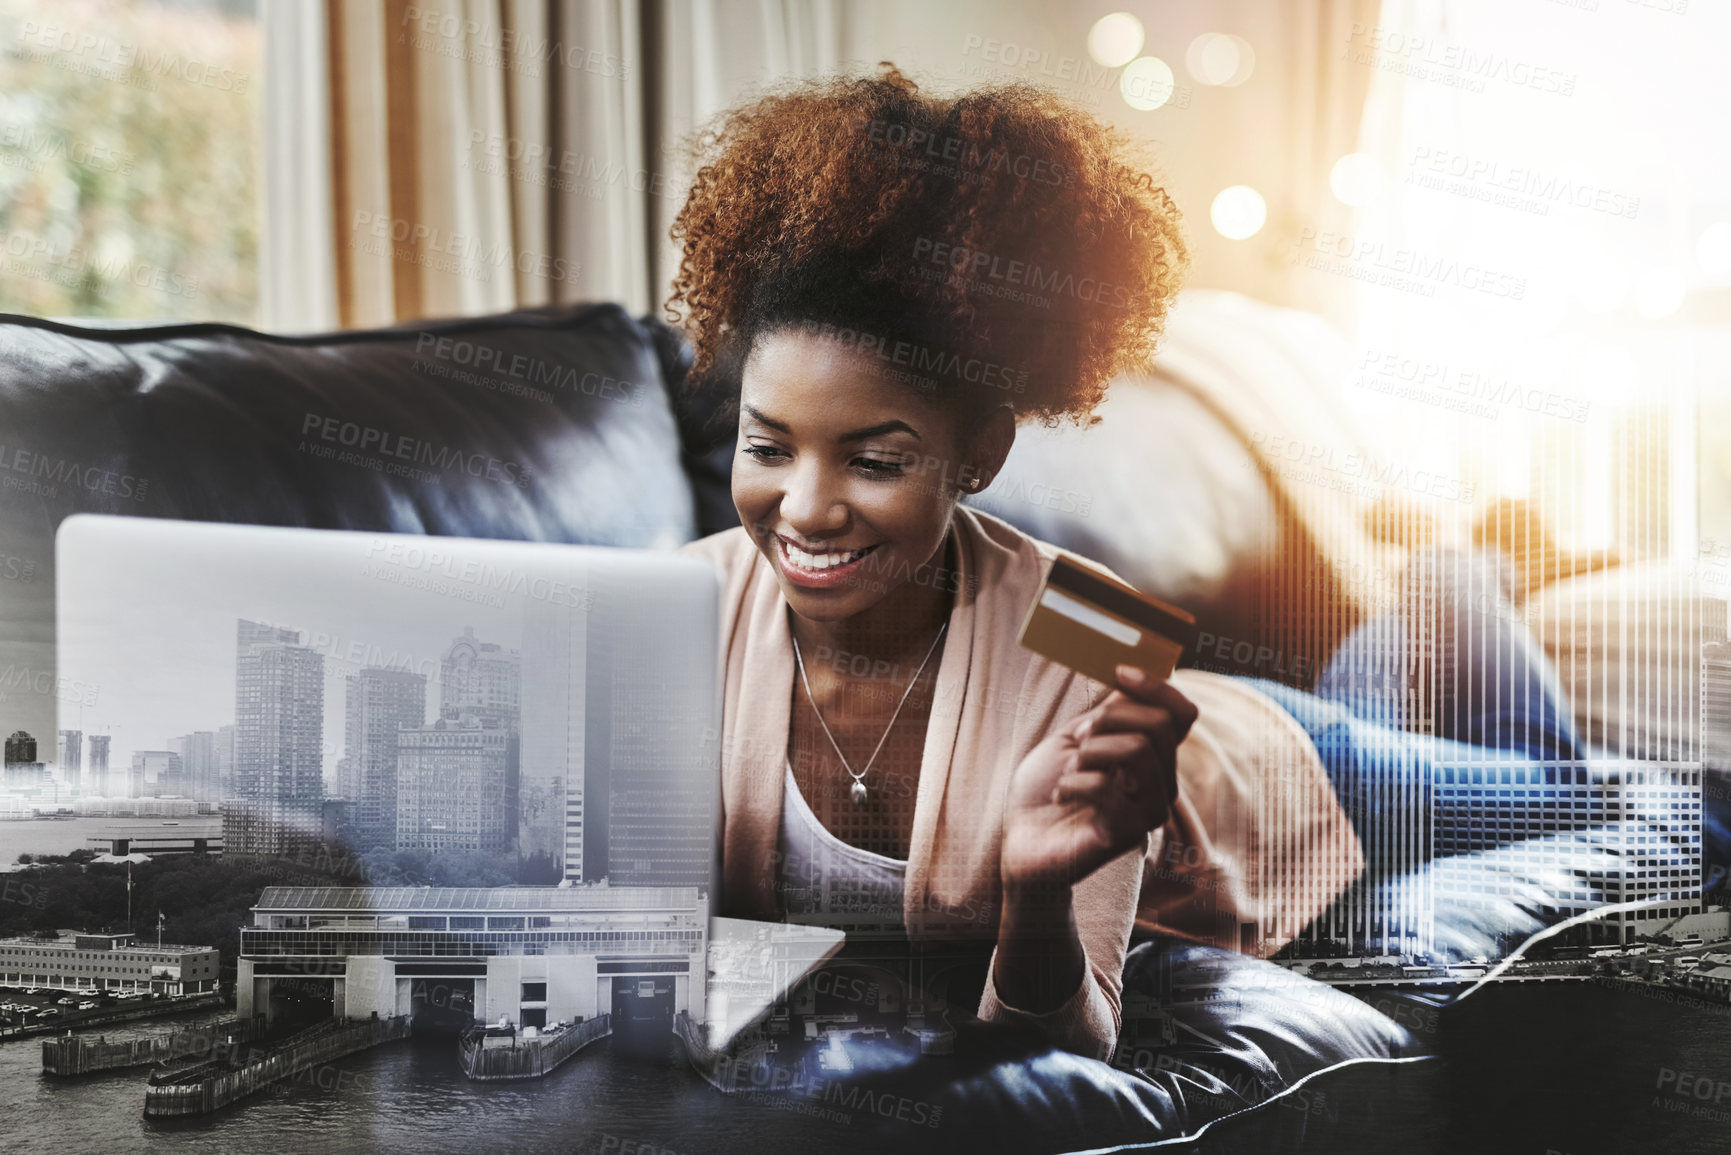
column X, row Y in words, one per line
column 858, row 790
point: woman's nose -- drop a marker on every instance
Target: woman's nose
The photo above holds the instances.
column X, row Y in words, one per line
column 812, row 503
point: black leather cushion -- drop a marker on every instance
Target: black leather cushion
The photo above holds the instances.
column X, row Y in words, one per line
column 1208, row 1034
column 542, row 425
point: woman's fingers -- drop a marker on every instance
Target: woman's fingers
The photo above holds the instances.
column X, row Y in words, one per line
column 1138, row 685
column 1111, row 751
column 1088, row 786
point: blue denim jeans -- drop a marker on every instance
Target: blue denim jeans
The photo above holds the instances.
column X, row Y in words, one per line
column 1455, row 653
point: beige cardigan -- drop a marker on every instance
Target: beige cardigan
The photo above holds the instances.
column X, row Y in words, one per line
column 1217, row 868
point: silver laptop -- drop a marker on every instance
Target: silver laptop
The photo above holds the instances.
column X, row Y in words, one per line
column 521, row 712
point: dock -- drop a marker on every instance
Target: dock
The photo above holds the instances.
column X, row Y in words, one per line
column 71, row 1056
column 490, row 1055
column 210, row 1086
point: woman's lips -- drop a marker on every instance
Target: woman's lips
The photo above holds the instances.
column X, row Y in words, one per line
column 818, row 578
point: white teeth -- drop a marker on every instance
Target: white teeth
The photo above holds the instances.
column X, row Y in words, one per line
column 819, row 561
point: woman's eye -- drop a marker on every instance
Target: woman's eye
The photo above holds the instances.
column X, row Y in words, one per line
column 879, row 467
column 762, row 452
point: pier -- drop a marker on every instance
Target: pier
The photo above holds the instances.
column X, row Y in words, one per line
column 160, row 1008
column 487, row 1056
column 211, row 1086
column 70, row 1056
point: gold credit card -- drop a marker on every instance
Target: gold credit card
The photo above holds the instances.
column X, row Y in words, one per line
column 1091, row 623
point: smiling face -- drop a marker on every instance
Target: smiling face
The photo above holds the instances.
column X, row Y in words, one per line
column 845, row 479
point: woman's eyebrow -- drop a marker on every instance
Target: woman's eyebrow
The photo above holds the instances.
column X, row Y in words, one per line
column 878, row 430
column 778, row 426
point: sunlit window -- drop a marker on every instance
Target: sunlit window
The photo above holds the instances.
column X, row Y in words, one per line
column 129, row 158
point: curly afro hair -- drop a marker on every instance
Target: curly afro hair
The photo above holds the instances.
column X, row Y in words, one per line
column 1000, row 246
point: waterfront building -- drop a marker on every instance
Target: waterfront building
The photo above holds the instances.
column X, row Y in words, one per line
column 533, row 955
column 26, row 777
column 112, row 962
column 121, row 839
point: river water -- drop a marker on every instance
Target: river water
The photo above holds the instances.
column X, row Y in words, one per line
column 1573, row 1069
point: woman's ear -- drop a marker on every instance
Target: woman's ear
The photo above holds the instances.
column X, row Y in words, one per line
column 991, row 445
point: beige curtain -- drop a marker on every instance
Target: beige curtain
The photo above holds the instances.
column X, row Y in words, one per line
column 480, row 155
column 461, row 157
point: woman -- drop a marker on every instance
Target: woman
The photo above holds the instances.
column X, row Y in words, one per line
column 892, row 282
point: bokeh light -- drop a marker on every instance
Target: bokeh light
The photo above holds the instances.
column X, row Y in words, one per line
column 1658, row 292
column 1713, row 249
column 1115, row 40
column 1220, row 60
column 1357, row 179
column 1147, row 83
column 1238, row 212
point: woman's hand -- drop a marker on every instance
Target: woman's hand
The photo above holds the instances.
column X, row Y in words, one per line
column 1093, row 789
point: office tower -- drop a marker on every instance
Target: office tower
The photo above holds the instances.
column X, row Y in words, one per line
column 155, row 774
column 379, row 702
column 452, row 786
column 480, row 678
column 96, row 774
column 197, row 752
column 649, row 779
column 550, row 795
column 20, row 747
column 71, row 759
column 278, row 777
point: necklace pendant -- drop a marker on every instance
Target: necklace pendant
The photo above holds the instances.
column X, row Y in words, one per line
column 858, row 791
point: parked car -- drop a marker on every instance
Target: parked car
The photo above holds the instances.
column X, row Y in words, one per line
column 66, row 1000
column 87, row 1006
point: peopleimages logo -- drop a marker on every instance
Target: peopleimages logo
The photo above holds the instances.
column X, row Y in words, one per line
column 370, row 439
column 43, row 475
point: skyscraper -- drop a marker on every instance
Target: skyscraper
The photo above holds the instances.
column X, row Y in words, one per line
column 71, row 759
column 550, row 793
column 96, row 774
column 279, row 731
column 379, row 702
column 480, row 678
column 648, row 778
column 20, row 747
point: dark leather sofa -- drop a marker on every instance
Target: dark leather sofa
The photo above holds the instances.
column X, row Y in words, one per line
column 565, row 425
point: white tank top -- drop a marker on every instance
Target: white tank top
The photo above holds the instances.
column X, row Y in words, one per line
column 825, row 881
